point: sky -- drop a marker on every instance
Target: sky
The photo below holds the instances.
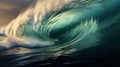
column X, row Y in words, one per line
column 9, row 9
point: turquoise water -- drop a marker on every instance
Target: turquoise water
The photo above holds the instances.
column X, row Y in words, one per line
column 62, row 29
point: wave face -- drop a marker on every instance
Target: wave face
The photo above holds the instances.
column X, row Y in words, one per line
column 50, row 23
column 61, row 27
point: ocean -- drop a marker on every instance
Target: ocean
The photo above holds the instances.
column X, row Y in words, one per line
column 67, row 33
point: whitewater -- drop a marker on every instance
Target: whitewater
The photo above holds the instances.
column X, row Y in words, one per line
column 61, row 27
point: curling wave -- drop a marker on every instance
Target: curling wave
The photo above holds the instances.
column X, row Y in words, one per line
column 73, row 24
column 83, row 29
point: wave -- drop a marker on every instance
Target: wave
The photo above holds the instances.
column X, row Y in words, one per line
column 61, row 24
column 83, row 29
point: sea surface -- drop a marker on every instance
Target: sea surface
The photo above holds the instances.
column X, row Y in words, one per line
column 63, row 33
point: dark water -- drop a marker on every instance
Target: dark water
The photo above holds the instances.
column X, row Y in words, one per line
column 82, row 32
column 104, row 55
column 96, row 56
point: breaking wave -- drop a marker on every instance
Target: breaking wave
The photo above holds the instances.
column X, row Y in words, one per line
column 61, row 25
column 64, row 23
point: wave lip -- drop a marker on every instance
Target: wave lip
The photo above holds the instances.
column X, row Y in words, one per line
column 63, row 24
column 65, row 27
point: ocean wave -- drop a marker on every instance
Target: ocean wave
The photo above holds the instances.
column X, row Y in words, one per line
column 52, row 28
column 64, row 25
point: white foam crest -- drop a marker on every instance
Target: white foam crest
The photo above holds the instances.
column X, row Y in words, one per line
column 2, row 28
column 11, row 42
column 13, row 26
column 45, row 6
column 35, row 13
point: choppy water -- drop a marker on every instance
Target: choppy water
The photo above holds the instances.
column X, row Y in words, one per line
column 84, row 32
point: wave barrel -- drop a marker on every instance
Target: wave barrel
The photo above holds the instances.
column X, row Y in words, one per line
column 71, row 18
